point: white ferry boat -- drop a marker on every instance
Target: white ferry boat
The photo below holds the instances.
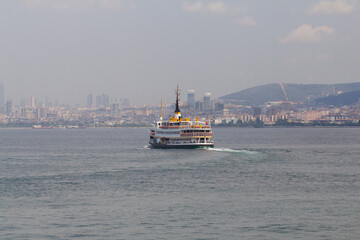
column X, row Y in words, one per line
column 179, row 132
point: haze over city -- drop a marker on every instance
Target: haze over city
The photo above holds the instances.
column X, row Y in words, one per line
column 141, row 50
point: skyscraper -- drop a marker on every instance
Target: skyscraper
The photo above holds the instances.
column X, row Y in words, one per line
column 2, row 98
column 191, row 99
column 114, row 108
column 126, row 102
column 102, row 101
column 207, row 102
column 32, row 102
column 8, row 110
column 90, row 101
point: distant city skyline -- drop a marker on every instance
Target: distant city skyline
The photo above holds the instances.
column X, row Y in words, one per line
column 91, row 100
column 192, row 99
column 140, row 50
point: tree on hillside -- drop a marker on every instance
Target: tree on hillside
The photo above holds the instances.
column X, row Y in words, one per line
column 258, row 123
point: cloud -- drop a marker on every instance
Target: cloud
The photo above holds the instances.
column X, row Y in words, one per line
column 212, row 7
column 237, row 10
column 216, row 7
column 74, row 4
column 46, row 4
column 219, row 7
column 245, row 21
column 306, row 33
column 332, row 7
column 194, row 7
column 111, row 4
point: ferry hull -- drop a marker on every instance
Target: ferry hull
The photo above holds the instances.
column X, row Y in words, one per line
column 182, row 146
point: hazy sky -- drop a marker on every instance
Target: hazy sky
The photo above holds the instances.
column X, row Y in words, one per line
column 142, row 49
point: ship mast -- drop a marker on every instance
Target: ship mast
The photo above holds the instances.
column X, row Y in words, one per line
column 177, row 109
column 161, row 117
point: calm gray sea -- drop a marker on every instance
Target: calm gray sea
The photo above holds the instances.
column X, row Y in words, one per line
column 283, row 183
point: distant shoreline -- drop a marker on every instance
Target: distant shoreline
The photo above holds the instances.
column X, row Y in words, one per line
column 315, row 126
column 68, row 128
column 214, row 126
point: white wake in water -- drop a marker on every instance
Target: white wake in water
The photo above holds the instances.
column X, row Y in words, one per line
column 144, row 147
column 230, row 150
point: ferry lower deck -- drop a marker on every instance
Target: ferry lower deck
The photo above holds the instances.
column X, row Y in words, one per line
column 192, row 142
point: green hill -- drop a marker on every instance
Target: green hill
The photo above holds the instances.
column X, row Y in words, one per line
column 295, row 92
column 341, row 99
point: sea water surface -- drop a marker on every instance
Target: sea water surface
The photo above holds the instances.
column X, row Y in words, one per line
column 270, row 183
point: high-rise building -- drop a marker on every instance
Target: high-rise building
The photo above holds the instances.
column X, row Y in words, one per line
column 114, row 108
column 207, row 102
column 98, row 101
column 126, row 102
column 106, row 100
column 32, row 102
column 102, row 101
column 47, row 101
column 23, row 112
column 8, row 110
column 42, row 113
column 191, row 99
column 2, row 98
column 90, row 101
column 37, row 113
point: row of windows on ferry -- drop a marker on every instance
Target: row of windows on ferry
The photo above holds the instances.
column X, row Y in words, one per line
column 194, row 131
column 168, row 132
column 173, row 123
column 185, row 131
